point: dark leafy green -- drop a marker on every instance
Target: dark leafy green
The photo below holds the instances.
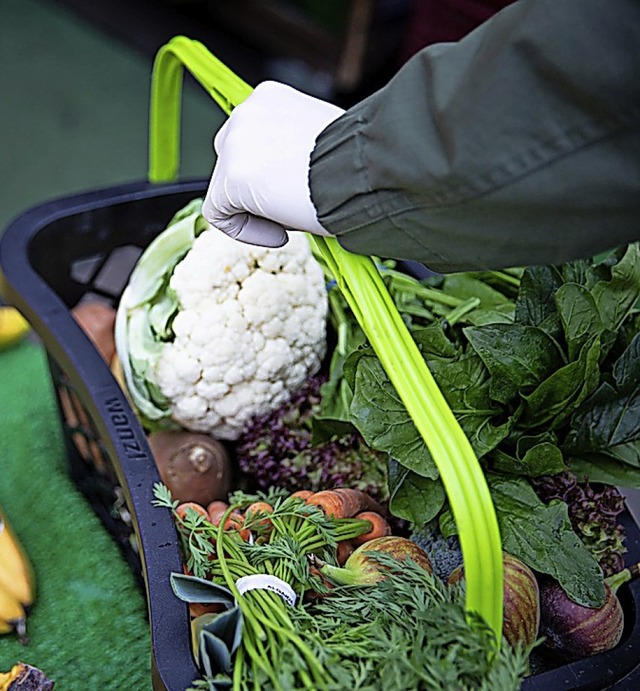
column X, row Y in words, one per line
column 541, row 535
column 412, row 496
column 542, row 376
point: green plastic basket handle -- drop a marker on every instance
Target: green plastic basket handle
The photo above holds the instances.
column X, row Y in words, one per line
column 367, row 295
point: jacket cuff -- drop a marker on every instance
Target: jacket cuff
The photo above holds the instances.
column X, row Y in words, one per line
column 339, row 156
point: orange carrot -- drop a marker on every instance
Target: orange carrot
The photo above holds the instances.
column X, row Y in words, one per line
column 303, row 494
column 234, row 522
column 215, row 509
column 181, row 509
column 259, row 507
column 360, row 501
column 379, row 527
column 344, row 502
column 330, row 502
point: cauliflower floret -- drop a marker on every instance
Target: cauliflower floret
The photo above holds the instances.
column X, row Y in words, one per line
column 251, row 328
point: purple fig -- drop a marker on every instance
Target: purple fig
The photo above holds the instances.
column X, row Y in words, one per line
column 575, row 631
column 521, row 618
column 363, row 569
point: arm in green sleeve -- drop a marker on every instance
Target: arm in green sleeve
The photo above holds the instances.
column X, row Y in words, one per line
column 520, row 144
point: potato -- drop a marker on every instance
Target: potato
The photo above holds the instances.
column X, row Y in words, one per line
column 195, row 467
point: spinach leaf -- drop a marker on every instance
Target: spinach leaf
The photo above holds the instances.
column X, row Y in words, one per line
column 617, row 297
column 517, row 356
column 543, row 458
column 465, row 384
column 579, row 316
column 433, row 342
column 541, row 535
column 499, row 315
column 382, row 419
column 464, row 286
column 610, row 416
column 584, row 272
column 626, row 370
column 554, row 400
column 608, row 470
column 535, row 305
column 413, row 497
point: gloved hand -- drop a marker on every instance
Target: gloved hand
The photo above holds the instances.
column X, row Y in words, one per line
column 260, row 183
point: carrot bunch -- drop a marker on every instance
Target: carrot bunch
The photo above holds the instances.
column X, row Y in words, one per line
column 252, row 537
column 329, row 522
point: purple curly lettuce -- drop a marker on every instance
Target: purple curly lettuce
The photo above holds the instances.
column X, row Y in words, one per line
column 593, row 511
column 276, row 450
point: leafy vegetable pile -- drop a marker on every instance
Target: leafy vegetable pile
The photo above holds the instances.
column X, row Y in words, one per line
column 541, row 368
column 395, row 626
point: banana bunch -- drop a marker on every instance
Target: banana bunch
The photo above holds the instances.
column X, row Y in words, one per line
column 13, row 326
column 17, row 583
column 23, row 677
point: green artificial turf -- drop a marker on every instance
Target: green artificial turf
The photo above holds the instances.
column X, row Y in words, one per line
column 88, row 627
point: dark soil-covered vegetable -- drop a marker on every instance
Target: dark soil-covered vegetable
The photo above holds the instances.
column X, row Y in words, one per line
column 195, row 467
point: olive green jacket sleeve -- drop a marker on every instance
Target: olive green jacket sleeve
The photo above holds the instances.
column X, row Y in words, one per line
column 518, row 145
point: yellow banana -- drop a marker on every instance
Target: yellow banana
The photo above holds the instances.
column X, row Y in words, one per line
column 23, row 676
column 13, row 326
column 16, row 573
column 12, row 616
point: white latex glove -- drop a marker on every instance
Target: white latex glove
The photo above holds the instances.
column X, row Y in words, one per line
column 260, row 183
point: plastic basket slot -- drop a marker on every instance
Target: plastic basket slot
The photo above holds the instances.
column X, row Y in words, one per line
column 92, row 471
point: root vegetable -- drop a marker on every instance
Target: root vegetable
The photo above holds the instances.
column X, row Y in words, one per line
column 379, row 527
column 521, row 618
column 255, row 515
column 215, row 509
column 362, row 568
column 97, row 320
column 344, row 502
column 195, row 467
column 234, row 522
column 182, row 509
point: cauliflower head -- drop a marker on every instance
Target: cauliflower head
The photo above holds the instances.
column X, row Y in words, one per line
column 228, row 332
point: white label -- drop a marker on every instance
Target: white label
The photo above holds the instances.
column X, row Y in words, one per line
column 264, row 581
